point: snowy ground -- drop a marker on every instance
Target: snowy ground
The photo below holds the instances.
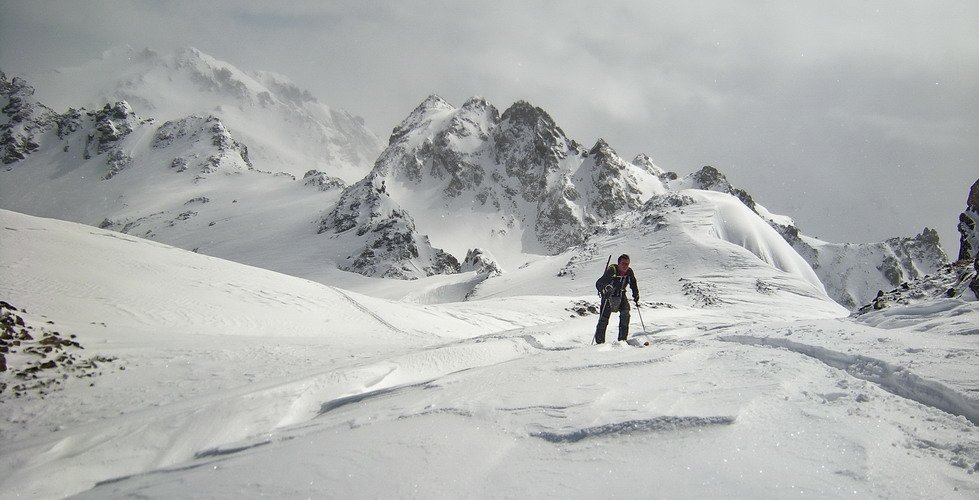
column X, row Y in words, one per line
column 218, row 380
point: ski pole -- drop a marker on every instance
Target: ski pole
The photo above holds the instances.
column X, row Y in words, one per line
column 639, row 310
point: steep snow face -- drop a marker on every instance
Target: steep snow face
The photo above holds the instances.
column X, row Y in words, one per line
column 287, row 128
column 736, row 223
column 853, row 273
column 695, row 249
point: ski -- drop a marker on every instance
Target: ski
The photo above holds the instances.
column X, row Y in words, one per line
column 637, row 342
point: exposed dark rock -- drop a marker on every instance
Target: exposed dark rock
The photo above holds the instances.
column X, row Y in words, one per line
column 53, row 357
column 969, row 226
column 228, row 153
column 951, row 280
column 26, row 120
column 393, row 248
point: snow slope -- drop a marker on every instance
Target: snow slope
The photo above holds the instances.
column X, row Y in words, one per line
column 227, row 380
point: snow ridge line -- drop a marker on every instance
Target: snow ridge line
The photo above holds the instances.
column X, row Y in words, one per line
column 658, row 424
column 892, row 378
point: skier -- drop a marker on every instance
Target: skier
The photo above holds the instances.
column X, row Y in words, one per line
column 611, row 287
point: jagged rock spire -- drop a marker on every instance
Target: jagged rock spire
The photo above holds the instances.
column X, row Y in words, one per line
column 969, row 226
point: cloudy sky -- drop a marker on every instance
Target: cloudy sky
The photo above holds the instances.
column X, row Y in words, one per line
column 860, row 119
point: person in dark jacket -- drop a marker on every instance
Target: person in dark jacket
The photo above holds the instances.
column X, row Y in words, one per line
column 611, row 287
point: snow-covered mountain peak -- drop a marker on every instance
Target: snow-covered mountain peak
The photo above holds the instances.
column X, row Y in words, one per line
column 477, row 103
column 523, row 119
column 469, row 127
column 646, row 163
column 433, row 108
column 26, row 119
column 602, row 149
column 708, row 178
column 284, row 88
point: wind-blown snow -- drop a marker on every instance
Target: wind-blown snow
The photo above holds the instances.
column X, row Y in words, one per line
column 286, row 128
column 230, row 380
column 736, row 223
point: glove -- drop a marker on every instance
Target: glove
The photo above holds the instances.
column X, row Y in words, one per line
column 636, row 300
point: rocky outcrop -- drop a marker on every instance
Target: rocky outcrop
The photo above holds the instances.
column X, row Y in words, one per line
column 35, row 360
column 482, row 262
column 955, row 280
column 322, row 181
column 709, row 178
column 388, row 244
column 611, row 185
column 646, row 163
column 204, row 145
column 26, row 120
column 969, row 226
column 110, row 126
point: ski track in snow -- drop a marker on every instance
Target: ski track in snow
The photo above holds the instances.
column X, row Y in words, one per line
column 894, row 379
column 413, row 390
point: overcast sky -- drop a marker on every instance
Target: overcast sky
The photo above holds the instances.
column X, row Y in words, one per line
column 860, row 119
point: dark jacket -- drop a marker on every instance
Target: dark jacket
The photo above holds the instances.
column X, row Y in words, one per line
column 611, row 283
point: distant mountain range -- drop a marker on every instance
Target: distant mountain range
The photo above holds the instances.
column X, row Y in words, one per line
column 190, row 151
column 286, row 128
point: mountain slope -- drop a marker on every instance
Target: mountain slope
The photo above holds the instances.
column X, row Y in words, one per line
column 852, row 273
column 380, row 398
column 188, row 182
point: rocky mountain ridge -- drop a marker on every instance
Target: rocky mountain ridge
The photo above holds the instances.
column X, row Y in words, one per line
column 453, row 182
column 542, row 189
column 969, row 226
